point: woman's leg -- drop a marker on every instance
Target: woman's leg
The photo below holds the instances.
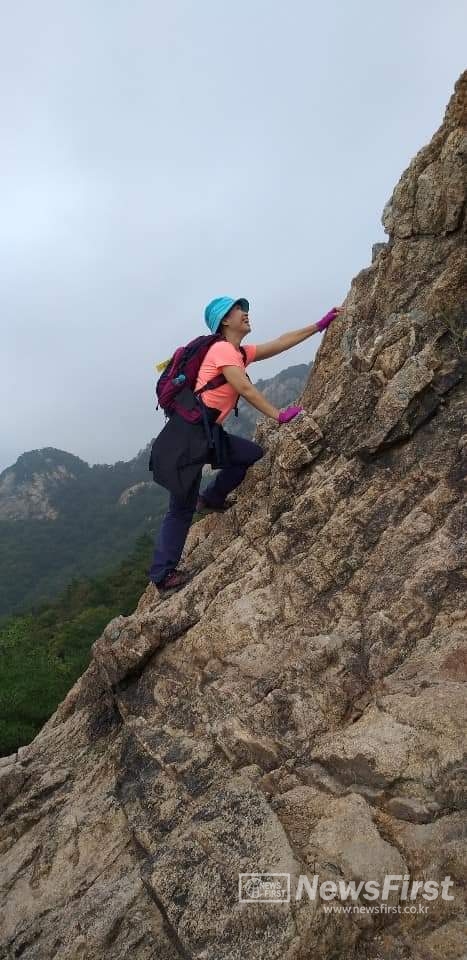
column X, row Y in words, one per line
column 243, row 453
column 172, row 535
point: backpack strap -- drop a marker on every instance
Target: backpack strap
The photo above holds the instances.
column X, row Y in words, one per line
column 211, row 384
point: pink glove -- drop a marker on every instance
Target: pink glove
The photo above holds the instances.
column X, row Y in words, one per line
column 327, row 319
column 289, row 414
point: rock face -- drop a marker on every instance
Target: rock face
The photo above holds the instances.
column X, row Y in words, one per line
column 28, row 495
column 299, row 707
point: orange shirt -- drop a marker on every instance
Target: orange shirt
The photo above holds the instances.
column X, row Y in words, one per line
column 222, row 354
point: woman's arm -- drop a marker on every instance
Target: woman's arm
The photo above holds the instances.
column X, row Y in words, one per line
column 273, row 347
column 287, row 340
column 240, row 382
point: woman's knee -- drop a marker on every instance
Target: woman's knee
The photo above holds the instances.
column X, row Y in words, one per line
column 180, row 511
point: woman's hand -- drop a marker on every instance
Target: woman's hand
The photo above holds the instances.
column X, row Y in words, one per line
column 289, row 414
column 328, row 318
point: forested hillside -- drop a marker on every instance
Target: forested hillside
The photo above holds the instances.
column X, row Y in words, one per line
column 43, row 652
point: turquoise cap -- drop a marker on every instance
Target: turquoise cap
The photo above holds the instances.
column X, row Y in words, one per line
column 216, row 310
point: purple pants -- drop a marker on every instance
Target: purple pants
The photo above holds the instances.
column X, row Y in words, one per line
column 176, row 523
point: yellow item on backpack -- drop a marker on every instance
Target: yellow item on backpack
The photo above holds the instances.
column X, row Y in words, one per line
column 162, row 365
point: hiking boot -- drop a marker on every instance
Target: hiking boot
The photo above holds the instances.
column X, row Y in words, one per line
column 174, row 580
column 201, row 505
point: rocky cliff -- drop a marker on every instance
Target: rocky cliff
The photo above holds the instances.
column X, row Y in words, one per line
column 27, row 488
column 299, row 707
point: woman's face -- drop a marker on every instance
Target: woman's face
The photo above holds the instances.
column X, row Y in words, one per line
column 237, row 320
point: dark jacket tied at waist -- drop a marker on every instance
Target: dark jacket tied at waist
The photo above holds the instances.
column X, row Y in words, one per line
column 180, row 450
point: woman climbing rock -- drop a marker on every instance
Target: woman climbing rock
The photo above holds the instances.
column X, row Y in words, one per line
column 194, row 434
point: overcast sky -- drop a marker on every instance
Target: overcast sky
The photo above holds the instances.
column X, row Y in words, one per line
column 154, row 156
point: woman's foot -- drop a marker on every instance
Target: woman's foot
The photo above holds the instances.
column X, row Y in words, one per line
column 202, row 504
column 174, row 580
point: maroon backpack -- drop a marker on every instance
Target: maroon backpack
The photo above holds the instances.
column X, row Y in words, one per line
column 181, row 374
